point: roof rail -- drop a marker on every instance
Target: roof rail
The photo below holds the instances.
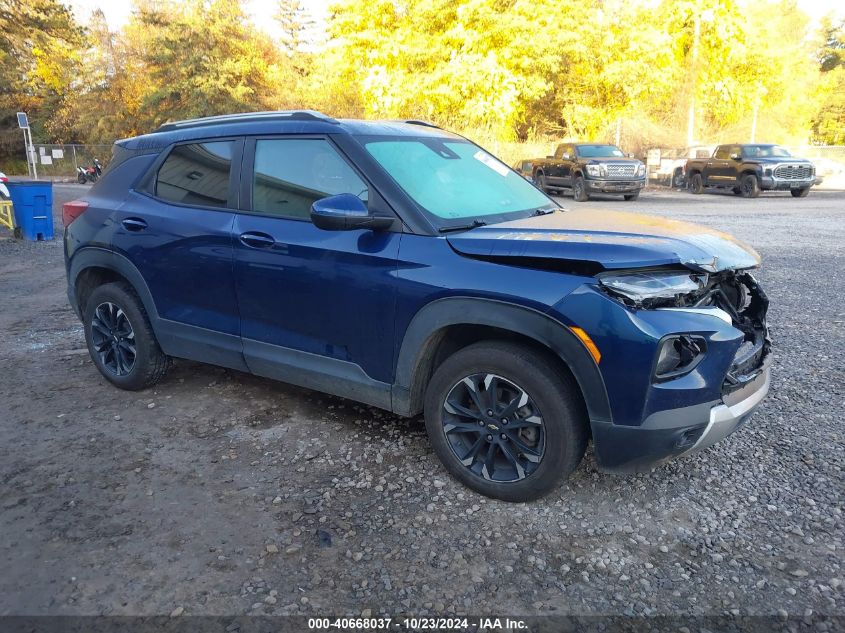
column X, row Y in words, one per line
column 417, row 122
column 246, row 117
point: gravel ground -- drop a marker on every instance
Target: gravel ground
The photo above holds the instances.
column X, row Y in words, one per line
column 222, row 493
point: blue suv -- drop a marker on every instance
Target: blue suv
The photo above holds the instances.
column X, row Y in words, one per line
column 402, row 266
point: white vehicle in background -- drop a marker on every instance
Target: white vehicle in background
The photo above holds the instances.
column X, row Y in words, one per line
column 669, row 164
column 4, row 190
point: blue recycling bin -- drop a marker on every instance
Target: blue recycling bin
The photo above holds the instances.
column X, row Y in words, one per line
column 33, row 204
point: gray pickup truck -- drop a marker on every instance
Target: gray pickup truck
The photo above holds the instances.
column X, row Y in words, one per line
column 588, row 168
column 750, row 169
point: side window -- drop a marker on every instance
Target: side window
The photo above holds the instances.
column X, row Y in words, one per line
column 723, row 152
column 291, row 174
column 196, row 174
column 736, row 149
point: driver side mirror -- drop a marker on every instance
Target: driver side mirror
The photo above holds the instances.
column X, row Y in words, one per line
column 567, row 157
column 630, row 154
column 346, row 212
column 735, row 157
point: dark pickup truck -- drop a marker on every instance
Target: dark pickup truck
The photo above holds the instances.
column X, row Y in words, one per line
column 590, row 168
column 750, row 169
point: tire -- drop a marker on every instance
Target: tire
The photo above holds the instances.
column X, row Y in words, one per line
column 579, row 191
column 677, row 179
column 81, row 179
column 120, row 339
column 540, row 180
column 696, row 183
column 552, row 449
column 803, row 192
column 749, row 186
column 631, row 196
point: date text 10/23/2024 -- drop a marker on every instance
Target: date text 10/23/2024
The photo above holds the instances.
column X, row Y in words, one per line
column 416, row 624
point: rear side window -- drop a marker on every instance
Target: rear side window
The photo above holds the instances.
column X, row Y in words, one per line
column 291, row 174
column 723, row 152
column 196, row 174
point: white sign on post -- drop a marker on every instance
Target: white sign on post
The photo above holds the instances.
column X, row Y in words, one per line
column 58, row 153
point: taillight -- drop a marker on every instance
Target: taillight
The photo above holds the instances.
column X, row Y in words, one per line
column 4, row 179
column 72, row 210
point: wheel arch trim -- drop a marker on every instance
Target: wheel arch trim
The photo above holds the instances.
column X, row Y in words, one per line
column 430, row 324
column 93, row 257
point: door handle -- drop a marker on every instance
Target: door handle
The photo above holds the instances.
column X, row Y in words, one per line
column 257, row 240
column 134, row 224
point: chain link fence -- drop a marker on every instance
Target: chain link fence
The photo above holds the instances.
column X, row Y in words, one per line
column 60, row 162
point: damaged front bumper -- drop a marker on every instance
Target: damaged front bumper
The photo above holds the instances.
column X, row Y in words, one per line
column 658, row 417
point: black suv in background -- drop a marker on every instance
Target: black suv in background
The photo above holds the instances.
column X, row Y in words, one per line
column 590, row 168
column 749, row 169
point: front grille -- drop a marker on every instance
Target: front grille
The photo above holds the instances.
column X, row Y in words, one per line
column 621, row 170
column 793, row 172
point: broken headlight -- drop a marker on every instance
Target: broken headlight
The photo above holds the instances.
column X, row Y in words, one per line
column 643, row 286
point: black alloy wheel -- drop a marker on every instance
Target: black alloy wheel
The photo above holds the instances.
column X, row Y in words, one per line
column 506, row 419
column 749, row 186
column 113, row 339
column 579, row 190
column 696, row 183
column 494, row 428
column 120, row 338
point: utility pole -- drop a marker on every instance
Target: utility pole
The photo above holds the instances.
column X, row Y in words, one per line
column 696, row 35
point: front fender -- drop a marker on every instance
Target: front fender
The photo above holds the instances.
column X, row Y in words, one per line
column 430, row 323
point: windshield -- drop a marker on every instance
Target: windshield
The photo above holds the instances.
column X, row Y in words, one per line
column 599, row 151
column 764, row 151
column 453, row 179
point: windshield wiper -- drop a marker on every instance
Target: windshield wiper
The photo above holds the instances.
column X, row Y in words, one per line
column 463, row 227
column 542, row 211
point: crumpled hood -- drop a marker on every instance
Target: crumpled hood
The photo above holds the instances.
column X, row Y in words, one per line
column 610, row 240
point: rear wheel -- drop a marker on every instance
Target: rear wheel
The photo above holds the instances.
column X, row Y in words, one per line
column 696, row 183
column 579, row 190
column 749, row 186
column 120, row 339
column 505, row 421
column 800, row 193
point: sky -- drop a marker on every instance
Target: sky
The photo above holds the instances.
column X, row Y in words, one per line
column 117, row 11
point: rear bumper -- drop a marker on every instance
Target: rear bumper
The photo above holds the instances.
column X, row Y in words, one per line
column 672, row 433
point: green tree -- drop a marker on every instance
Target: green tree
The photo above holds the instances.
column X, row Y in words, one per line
column 828, row 127
column 39, row 59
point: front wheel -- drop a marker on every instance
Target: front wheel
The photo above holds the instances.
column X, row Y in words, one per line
column 696, row 183
column 505, row 420
column 120, row 338
column 749, row 186
column 540, row 180
column 800, row 193
column 677, row 180
column 579, row 190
